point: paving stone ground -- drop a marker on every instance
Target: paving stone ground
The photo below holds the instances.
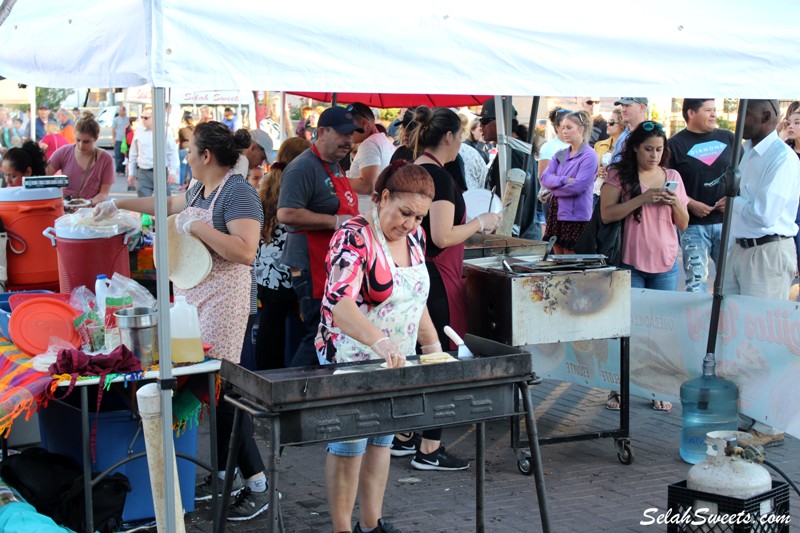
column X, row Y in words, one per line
column 589, row 490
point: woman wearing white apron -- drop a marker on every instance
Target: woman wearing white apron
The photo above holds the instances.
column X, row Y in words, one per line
column 225, row 213
column 374, row 306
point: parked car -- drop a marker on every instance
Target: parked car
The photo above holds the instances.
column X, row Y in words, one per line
column 106, row 117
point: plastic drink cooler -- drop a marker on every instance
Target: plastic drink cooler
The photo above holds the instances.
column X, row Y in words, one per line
column 26, row 213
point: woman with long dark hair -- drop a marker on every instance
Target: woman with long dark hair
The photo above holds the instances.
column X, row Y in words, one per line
column 274, row 280
column 436, row 139
column 652, row 200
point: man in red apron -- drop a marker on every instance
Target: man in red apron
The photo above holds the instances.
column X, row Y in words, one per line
column 315, row 199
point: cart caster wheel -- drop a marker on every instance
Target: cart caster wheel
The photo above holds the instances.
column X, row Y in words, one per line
column 524, row 466
column 625, row 456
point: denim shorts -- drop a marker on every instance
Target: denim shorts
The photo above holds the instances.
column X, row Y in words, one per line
column 354, row 448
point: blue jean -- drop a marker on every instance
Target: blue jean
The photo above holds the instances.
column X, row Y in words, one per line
column 306, row 354
column 186, row 171
column 664, row 281
column 119, row 157
column 699, row 243
column 354, row 448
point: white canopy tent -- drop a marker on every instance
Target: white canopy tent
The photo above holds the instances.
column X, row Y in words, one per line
column 722, row 48
column 681, row 48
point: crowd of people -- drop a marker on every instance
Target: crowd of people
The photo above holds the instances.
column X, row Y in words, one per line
column 358, row 236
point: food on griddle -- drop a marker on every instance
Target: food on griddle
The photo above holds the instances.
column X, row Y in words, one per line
column 435, row 358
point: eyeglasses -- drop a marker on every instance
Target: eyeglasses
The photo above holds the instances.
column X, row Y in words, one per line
column 486, row 120
column 592, row 102
column 650, row 125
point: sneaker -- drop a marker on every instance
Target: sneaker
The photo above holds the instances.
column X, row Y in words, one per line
column 438, row 460
column 248, row 505
column 203, row 491
column 383, row 527
column 401, row 448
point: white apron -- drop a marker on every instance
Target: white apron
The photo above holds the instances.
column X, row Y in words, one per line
column 398, row 316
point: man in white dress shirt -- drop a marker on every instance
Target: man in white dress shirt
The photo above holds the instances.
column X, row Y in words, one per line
column 762, row 260
column 140, row 157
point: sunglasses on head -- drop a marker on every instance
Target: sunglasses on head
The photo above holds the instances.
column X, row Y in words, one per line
column 352, row 110
column 650, row 125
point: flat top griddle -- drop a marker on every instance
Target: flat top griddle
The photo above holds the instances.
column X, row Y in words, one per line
column 288, row 388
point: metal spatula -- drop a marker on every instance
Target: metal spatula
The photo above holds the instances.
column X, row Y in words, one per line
column 463, row 351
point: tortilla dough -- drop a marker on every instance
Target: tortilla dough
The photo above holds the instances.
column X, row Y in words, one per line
column 189, row 259
column 435, row 358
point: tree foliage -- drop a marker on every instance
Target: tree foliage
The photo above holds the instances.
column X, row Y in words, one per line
column 51, row 97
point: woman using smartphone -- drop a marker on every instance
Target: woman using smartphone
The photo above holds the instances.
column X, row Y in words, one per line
column 636, row 191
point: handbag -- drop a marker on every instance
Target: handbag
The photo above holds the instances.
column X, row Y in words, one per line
column 601, row 238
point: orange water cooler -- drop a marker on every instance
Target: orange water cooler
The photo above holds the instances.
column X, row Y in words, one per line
column 26, row 213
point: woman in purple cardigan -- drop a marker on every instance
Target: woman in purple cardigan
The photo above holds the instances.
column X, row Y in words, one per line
column 570, row 178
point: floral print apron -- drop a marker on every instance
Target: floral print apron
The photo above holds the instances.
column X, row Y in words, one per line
column 398, row 316
column 223, row 298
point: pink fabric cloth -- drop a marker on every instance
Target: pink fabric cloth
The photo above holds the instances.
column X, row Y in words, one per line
column 652, row 244
column 102, row 171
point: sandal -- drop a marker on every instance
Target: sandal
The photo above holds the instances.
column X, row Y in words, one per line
column 660, row 405
column 614, row 401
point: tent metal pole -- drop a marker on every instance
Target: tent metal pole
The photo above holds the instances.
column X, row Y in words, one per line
column 732, row 177
column 502, row 143
column 165, row 379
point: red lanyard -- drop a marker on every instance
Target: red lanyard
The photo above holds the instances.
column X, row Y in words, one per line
column 431, row 156
column 327, row 167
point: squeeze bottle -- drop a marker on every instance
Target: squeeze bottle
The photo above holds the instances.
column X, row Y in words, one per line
column 100, row 292
column 187, row 347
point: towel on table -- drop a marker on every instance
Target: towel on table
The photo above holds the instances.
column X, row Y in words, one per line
column 22, row 389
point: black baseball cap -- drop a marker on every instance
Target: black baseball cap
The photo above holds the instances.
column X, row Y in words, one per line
column 488, row 111
column 339, row 119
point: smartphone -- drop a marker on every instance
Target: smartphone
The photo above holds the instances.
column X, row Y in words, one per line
column 671, row 186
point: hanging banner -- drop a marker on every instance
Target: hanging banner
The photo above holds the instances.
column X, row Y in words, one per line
column 758, row 348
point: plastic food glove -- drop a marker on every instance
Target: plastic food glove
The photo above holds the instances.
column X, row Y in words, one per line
column 183, row 222
column 388, row 350
column 432, row 348
column 106, row 209
column 489, row 222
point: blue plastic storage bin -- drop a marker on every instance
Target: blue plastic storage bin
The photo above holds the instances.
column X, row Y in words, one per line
column 117, row 431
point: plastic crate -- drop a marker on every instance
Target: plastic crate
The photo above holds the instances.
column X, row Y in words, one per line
column 765, row 513
column 117, row 432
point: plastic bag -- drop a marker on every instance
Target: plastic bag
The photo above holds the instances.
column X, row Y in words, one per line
column 82, row 225
column 140, row 296
column 118, row 297
column 42, row 362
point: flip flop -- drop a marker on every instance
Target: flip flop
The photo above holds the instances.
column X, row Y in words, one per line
column 658, row 405
column 613, row 396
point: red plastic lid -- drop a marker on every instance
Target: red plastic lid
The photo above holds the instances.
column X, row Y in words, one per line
column 34, row 321
column 15, row 299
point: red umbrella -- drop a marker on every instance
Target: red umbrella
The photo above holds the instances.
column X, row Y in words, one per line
column 384, row 100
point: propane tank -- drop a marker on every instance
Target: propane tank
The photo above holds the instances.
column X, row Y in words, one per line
column 726, row 474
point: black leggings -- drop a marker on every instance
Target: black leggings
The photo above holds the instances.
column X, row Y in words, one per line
column 276, row 306
column 249, row 459
column 439, row 310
